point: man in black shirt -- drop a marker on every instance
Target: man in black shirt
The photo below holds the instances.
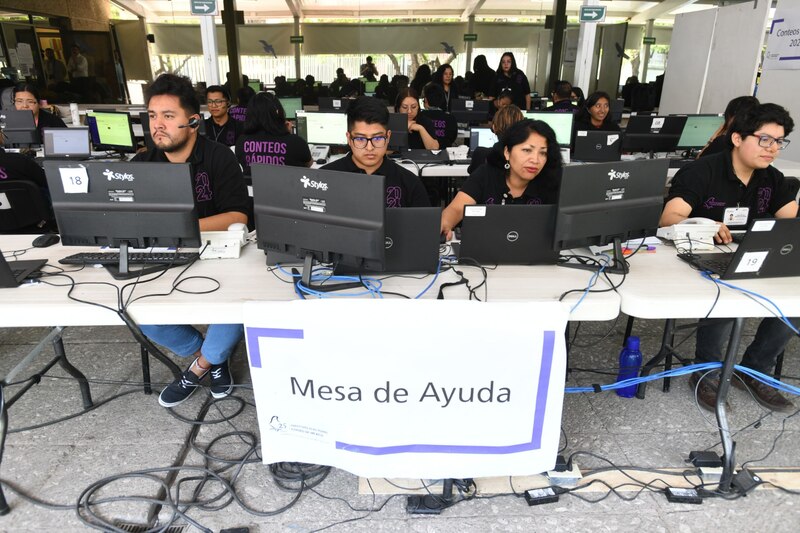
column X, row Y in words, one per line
column 734, row 187
column 368, row 137
column 220, row 127
column 562, row 98
column 221, row 200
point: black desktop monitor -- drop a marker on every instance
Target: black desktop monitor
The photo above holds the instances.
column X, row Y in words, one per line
column 19, row 128
column 255, row 85
column 333, row 104
column 291, row 106
column 322, row 128
column 323, row 215
column 617, row 107
column 137, row 205
column 602, row 203
column 112, row 131
column 698, row 130
column 470, row 111
column 398, row 125
column 651, row 133
column 560, row 122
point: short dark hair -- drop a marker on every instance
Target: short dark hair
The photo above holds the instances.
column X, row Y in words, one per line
column 519, row 132
column 174, row 85
column 739, row 104
column 244, row 94
column 434, row 94
column 24, row 87
column 369, row 59
column 219, row 89
column 563, row 89
column 367, row 109
column 265, row 113
column 746, row 123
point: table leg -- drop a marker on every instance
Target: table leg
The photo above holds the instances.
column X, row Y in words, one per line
column 728, row 446
column 4, row 508
column 663, row 352
column 61, row 355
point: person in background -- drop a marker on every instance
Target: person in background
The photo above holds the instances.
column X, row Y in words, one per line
column 524, row 169
column 734, row 187
column 243, row 96
column 508, row 76
column 368, row 138
column 421, row 78
column 444, row 77
column 26, row 97
column 562, row 98
column 369, row 70
column 482, row 77
column 339, row 83
column 385, row 90
column 503, row 119
column 220, row 127
column 267, row 137
column 578, row 96
column 719, row 141
column 445, row 126
column 595, row 115
column 419, row 127
column 77, row 66
column 54, row 69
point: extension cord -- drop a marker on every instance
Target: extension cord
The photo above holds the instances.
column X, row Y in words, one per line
column 221, row 244
column 710, row 474
column 567, row 478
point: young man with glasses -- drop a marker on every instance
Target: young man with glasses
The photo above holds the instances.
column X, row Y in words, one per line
column 368, row 138
column 220, row 127
column 733, row 187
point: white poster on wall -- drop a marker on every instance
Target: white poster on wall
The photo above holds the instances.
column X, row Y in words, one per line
column 783, row 42
column 388, row 388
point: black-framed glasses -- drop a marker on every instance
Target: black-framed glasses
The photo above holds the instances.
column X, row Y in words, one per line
column 766, row 141
column 378, row 141
column 216, row 103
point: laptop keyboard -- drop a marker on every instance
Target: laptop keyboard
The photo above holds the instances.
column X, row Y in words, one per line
column 717, row 265
column 136, row 258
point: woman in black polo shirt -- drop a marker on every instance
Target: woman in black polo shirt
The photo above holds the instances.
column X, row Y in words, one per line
column 595, row 115
column 524, row 168
column 508, row 76
column 266, row 138
column 420, row 129
column 26, row 97
column 444, row 77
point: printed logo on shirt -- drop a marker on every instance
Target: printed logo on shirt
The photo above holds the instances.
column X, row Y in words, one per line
column 308, row 183
column 712, row 202
column 394, row 197
column 202, row 187
column 535, row 201
column 3, row 174
column 616, row 175
column 265, row 152
column 764, row 197
column 111, row 175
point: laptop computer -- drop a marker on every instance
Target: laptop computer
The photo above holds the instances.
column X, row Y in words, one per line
column 14, row 273
column 597, row 146
column 508, row 234
column 769, row 249
column 481, row 137
column 411, row 239
column 66, row 143
column 334, row 104
column 419, row 155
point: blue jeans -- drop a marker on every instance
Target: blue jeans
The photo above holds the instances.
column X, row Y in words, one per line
column 183, row 340
column 771, row 339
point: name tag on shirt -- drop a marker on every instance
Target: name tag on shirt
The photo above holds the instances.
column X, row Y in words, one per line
column 736, row 216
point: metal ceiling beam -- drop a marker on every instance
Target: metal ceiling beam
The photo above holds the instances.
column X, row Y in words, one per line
column 661, row 9
column 137, row 8
column 471, row 9
column 296, row 7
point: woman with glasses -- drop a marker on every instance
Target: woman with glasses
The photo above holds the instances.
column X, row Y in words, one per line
column 368, row 139
column 26, row 97
column 267, row 137
column 220, row 127
column 420, row 129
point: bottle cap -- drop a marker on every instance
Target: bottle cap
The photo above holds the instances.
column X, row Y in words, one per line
column 632, row 343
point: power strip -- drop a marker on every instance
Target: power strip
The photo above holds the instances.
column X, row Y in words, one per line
column 222, row 244
column 566, row 478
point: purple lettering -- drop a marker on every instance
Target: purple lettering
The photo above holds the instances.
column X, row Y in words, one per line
column 394, row 197
column 3, row 174
column 712, row 202
column 764, row 197
column 202, row 187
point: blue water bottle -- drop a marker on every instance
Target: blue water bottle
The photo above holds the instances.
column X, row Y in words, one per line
column 630, row 359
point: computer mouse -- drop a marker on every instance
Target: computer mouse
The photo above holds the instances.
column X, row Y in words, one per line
column 321, row 161
column 48, row 239
column 237, row 226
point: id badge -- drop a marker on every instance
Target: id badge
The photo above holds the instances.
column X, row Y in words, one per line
column 736, row 216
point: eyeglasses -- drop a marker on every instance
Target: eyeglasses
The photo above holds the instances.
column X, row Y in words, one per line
column 25, row 102
column 216, row 103
column 378, row 141
column 766, row 141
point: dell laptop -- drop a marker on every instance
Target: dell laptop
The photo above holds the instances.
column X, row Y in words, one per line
column 769, row 249
column 597, row 146
column 14, row 273
column 508, row 234
column 66, row 143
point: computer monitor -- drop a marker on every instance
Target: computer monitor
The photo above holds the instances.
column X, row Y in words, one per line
column 698, row 130
column 322, row 128
column 604, row 203
column 67, row 143
column 323, row 215
column 370, row 86
column 333, row 104
column 124, row 205
column 481, row 137
column 560, row 122
column 112, row 131
column 652, row 133
column 255, row 85
column 19, row 128
column 398, row 125
column 470, row 111
column 291, row 106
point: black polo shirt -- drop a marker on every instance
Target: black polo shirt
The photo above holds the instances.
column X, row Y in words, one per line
column 403, row 189
column 225, row 134
column 586, row 124
column 442, row 126
column 282, row 150
column 415, row 139
column 487, row 186
column 718, row 145
column 562, row 106
column 219, row 186
column 517, row 83
column 710, row 186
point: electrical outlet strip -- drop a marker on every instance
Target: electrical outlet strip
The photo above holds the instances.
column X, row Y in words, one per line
column 222, row 244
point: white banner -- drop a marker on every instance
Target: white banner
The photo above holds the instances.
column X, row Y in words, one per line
column 783, row 44
column 415, row 389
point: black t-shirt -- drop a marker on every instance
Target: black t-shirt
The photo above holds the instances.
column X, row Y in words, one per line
column 586, row 124
column 283, row 150
column 415, row 139
column 517, row 82
column 562, row 106
column 48, row 120
column 219, row 186
column 710, row 186
column 443, row 126
column 487, row 186
column 403, row 189
column 225, row 134
column 21, row 167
